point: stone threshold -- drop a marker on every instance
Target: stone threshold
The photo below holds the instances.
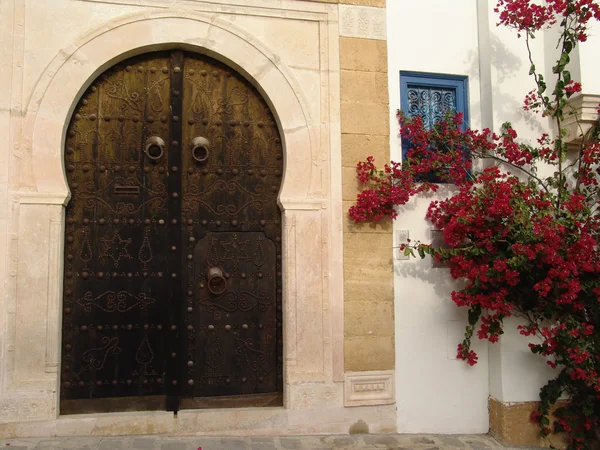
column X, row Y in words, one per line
column 358, row 442
column 255, row 421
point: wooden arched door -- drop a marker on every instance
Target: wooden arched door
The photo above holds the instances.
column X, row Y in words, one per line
column 172, row 283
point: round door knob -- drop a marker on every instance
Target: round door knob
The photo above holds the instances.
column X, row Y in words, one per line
column 200, row 146
column 154, row 148
column 217, row 284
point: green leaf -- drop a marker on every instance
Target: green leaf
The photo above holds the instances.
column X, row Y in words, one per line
column 568, row 46
column 566, row 76
column 562, row 62
column 542, row 87
column 545, row 421
column 407, row 251
column 474, row 314
column 532, row 69
column 421, row 252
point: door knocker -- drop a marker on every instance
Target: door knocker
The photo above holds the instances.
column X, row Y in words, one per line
column 217, row 284
column 200, row 147
column 155, row 148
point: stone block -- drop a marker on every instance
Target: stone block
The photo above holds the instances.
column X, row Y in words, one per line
column 343, row 441
column 130, row 424
column 368, row 269
column 370, row 388
column 365, row 118
column 49, row 445
column 351, row 185
column 512, row 425
column 363, row 54
column 144, row 443
column 379, row 288
column 360, row 427
column 362, row 22
column 263, row 447
column 423, row 440
column 78, row 443
column 390, row 441
column 114, row 444
column 364, row 87
column 290, row 443
column 311, row 395
column 356, row 147
column 376, row 3
column 451, row 441
column 369, row 318
column 174, row 446
column 368, row 353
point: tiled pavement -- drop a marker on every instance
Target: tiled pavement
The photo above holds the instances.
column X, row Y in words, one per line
column 355, row 442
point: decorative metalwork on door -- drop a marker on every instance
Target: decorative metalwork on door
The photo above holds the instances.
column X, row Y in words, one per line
column 172, row 283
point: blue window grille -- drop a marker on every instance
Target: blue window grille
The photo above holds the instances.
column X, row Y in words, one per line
column 430, row 96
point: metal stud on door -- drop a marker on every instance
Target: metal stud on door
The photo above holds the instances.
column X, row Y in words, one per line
column 172, row 281
column 116, row 300
column 233, row 170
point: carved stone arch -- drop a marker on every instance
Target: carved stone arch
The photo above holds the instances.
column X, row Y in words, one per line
column 311, row 200
column 72, row 71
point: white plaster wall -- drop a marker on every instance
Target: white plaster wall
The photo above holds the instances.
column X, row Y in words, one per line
column 589, row 61
column 435, row 392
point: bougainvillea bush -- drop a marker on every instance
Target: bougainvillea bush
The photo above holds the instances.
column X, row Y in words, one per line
column 523, row 230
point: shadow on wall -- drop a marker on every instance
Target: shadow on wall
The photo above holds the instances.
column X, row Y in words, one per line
column 423, row 271
column 438, row 278
column 506, row 106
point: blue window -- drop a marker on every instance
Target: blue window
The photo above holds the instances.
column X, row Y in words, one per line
column 430, row 96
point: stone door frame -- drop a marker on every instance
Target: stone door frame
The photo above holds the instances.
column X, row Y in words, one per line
column 310, row 197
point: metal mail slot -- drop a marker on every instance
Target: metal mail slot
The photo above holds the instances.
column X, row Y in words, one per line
column 127, row 190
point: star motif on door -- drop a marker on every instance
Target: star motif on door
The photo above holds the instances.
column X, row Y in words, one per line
column 115, row 248
column 235, row 251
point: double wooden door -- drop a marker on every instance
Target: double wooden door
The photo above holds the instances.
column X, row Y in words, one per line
column 172, row 274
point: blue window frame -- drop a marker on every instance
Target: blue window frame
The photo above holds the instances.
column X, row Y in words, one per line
column 430, row 96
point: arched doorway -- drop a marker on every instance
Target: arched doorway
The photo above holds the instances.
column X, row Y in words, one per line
column 172, row 283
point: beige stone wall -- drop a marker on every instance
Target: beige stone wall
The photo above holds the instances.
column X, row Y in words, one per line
column 368, row 275
column 511, row 424
column 300, row 77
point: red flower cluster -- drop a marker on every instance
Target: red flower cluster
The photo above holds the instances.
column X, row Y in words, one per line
column 467, row 355
column 389, row 187
column 572, row 87
column 524, row 15
column 528, row 16
column 533, row 101
column 521, row 246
